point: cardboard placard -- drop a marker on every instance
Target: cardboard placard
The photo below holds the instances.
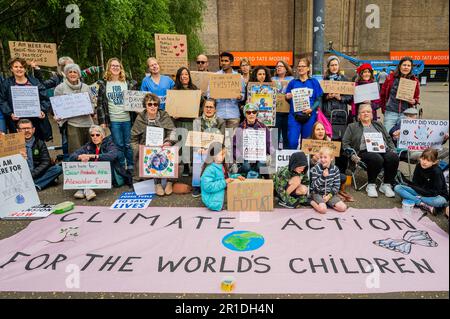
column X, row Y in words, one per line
column 254, row 145
column 183, row 103
column 158, row 162
column 133, row 100
column 171, row 52
column 201, row 80
column 375, row 143
column 89, row 175
column 406, row 89
column 300, row 99
column 202, row 139
column 71, row 105
column 11, row 144
column 312, row 147
column 154, row 136
column 283, row 106
column 26, row 101
column 418, row 134
column 44, row 54
column 251, row 195
column 225, row 86
column 366, row 92
column 341, row 87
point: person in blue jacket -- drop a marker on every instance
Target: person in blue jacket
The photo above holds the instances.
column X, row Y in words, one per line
column 300, row 123
column 157, row 83
column 215, row 178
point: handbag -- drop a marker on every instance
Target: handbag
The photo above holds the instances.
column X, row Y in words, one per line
column 323, row 119
column 302, row 118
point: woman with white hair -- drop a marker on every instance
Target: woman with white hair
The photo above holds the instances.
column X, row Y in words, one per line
column 101, row 149
column 78, row 126
column 56, row 78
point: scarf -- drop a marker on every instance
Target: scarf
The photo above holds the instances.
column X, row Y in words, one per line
column 29, row 148
column 73, row 87
column 210, row 122
column 335, row 77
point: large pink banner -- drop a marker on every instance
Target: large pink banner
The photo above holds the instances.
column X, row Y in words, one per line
column 192, row 250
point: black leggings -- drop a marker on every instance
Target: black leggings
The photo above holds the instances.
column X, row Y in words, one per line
column 377, row 161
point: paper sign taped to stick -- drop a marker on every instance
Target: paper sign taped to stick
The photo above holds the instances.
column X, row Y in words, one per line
column 312, row 147
column 11, row 144
column 90, row 175
column 366, row 92
column 421, row 134
column 18, row 191
column 225, row 86
column 250, row 195
column 375, row 143
column 158, row 162
column 25, row 101
column 340, row 87
column 133, row 100
column 42, row 53
column 154, row 136
column 254, row 145
column 171, row 52
column 300, row 99
column 202, row 139
column 183, row 103
column 201, row 80
column 71, row 105
column 406, row 89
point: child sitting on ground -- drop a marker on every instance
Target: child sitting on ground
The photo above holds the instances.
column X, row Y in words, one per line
column 291, row 182
column 428, row 189
column 215, row 178
column 325, row 184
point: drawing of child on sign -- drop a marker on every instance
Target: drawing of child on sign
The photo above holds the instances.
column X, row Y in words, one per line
column 159, row 161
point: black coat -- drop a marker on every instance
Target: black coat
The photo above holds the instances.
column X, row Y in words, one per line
column 429, row 182
column 41, row 158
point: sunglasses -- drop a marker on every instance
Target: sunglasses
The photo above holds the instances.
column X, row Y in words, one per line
column 201, row 62
column 251, row 112
column 152, row 104
column 95, row 135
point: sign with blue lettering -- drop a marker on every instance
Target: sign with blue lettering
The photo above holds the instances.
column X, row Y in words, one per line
column 129, row 200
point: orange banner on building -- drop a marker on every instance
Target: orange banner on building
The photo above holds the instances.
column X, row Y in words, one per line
column 429, row 57
column 263, row 58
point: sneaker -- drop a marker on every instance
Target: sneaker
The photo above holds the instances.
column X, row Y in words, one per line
column 79, row 194
column 427, row 208
column 90, row 194
column 386, row 189
column 196, row 192
column 372, row 190
column 186, row 170
column 159, row 190
column 285, row 205
column 169, row 189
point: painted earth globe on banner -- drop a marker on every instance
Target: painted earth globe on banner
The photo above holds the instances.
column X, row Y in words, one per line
column 243, row 241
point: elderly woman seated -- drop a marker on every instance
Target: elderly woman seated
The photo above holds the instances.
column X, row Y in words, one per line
column 101, row 149
column 358, row 143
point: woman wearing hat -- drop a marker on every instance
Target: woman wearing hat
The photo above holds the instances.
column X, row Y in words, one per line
column 251, row 122
column 365, row 76
column 78, row 126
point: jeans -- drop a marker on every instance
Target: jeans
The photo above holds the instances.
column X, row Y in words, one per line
column 377, row 161
column 2, row 125
column 392, row 118
column 407, row 192
column 49, row 176
column 64, row 141
column 121, row 134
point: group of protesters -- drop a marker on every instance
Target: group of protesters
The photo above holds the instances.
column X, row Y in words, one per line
column 114, row 135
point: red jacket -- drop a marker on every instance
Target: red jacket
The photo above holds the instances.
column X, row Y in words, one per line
column 386, row 91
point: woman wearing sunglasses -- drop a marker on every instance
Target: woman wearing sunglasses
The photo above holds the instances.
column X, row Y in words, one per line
column 101, row 149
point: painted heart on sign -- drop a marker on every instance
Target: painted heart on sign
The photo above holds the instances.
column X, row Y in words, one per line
column 182, row 51
column 177, row 54
column 181, row 44
column 175, row 46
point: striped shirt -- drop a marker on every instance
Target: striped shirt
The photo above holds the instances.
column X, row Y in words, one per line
column 325, row 185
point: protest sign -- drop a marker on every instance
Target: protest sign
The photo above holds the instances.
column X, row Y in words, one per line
column 71, row 105
column 89, row 175
column 406, row 89
column 17, row 190
column 25, row 101
column 158, row 162
column 35, row 212
column 11, row 144
column 313, row 146
column 93, row 89
column 283, row 157
column 300, row 99
column 133, row 100
column 145, row 188
column 366, row 92
column 183, row 103
column 283, row 106
column 171, row 52
column 225, row 86
column 264, row 96
column 339, row 87
column 129, row 200
column 375, row 143
column 201, row 80
column 254, row 145
column 154, row 136
column 421, row 134
column 250, row 195
column 42, row 53
column 202, row 139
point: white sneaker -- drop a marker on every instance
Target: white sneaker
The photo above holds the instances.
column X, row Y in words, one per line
column 79, row 194
column 386, row 189
column 90, row 194
column 372, row 190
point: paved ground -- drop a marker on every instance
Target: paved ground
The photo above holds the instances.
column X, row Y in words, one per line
column 435, row 102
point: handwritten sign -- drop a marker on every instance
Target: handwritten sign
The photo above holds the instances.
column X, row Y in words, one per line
column 171, row 52
column 201, row 80
column 406, row 89
column 375, row 143
column 11, row 144
column 421, row 134
column 35, row 212
column 133, row 100
column 42, row 53
column 283, row 106
column 300, row 99
column 154, row 136
column 71, row 105
column 202, row 139
column 183, row 103
column 312, row 147
column 90, row 175
column 366, row 92
column 26, row 101
column 340, row 87
column 225, row 86
column 254, row 145
column 158, row 162
column 250, row 195
column 283, row 157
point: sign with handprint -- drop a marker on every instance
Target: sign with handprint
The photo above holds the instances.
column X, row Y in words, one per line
column 418, row 135
column 171, row 52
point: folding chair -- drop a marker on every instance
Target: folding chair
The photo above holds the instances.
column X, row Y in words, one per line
column 360, row 166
